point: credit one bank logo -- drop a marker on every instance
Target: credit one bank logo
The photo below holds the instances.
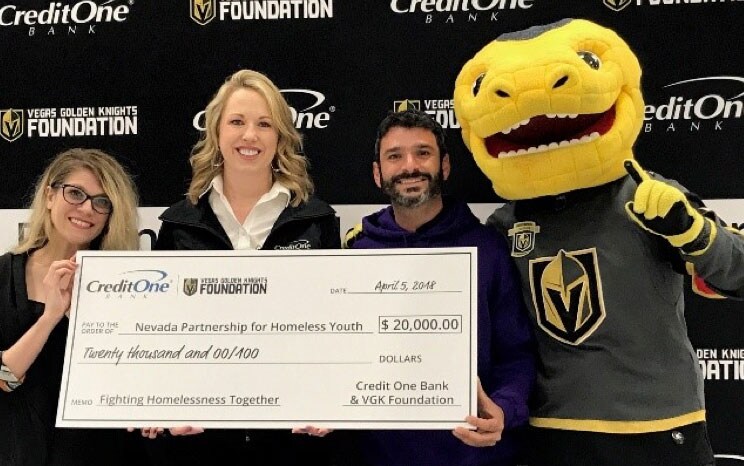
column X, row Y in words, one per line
column 312, row 114
column 59, row 18
column 706, row 103
column 133, row 283
column 449, row 6
column 451, row 11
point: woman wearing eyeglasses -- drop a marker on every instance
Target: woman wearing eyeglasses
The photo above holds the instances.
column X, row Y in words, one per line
column 83, row 200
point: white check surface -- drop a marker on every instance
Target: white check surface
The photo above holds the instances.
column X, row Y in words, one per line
column 272, row 339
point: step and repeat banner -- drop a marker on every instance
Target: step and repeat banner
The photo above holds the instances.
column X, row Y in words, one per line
column 132, row 77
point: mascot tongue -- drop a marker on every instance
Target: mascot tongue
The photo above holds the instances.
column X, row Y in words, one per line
column 542, row 130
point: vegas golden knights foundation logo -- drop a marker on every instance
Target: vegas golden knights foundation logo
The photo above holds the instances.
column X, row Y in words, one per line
column 403, row 105
column 202, row 11
column 11, row 124
column 522, row 235
column 567, row 294
column 617, row 5
column 190, row 285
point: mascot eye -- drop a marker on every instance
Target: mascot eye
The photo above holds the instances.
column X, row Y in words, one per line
column 591, row 59
column 477, row 83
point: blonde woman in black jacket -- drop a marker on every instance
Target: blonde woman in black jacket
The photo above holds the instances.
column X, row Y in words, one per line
column 250, row 189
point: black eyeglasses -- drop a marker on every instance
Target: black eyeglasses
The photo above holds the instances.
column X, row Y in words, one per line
column 76, row 196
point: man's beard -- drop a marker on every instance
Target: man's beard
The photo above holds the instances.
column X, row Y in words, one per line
column 400, row 199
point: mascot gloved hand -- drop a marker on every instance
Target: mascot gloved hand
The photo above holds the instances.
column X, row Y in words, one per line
column 664, row 210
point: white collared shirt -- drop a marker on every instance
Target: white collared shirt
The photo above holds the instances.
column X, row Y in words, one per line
column 256, row 228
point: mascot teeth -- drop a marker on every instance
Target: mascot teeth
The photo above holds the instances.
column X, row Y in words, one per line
column 521, row 123
column 552, row 145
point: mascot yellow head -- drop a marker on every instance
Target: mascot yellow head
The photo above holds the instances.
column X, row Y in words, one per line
column 551, row 109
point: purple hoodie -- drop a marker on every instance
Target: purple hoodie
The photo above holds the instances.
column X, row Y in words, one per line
column 506, row 364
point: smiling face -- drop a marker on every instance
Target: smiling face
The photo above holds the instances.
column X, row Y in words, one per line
column 76, row 225
column 247, row 135
column 551, row 111
column 410, row 170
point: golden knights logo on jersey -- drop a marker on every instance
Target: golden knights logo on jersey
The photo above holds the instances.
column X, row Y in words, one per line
column 522, row 236
column 567, row 293
column 190, row 285
column 202, row 11
column 11, row 124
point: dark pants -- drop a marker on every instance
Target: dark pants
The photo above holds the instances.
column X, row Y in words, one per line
column 96, row 447
column 250, row 448
column 683, row 446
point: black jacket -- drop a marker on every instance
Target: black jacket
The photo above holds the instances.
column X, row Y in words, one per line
column 311, row 225
column 27, row 415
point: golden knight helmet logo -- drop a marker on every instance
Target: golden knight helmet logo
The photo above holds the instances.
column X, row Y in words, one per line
column 190, row 285
column 617, row 5
column 202, row 11
column 403, row 105
column 567, row 293
column 11, row 124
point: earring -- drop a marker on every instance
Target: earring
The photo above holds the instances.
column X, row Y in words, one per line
column 275, row 167
column 221, row 158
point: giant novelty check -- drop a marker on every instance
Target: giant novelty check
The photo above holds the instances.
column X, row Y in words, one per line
column 272, row 339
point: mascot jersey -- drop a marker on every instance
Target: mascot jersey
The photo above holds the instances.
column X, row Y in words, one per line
column 551, row 115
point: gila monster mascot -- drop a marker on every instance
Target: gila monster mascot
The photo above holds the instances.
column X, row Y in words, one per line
column 550, row 115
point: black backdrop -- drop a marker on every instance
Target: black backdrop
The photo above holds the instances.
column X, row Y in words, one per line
column 343, row 64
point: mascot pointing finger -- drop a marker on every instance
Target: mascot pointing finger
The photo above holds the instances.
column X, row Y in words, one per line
column 551, row 115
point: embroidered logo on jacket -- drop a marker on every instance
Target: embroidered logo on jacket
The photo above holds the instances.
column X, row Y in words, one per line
column 298, row 244
column 567, row 294
column 522, row 236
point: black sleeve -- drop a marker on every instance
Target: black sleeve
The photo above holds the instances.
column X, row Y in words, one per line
column 164, row 242
column 6, row 296
column 330, row 233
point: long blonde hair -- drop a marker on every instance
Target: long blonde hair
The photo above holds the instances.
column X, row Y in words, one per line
column 291, row 167
column 120, row 232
